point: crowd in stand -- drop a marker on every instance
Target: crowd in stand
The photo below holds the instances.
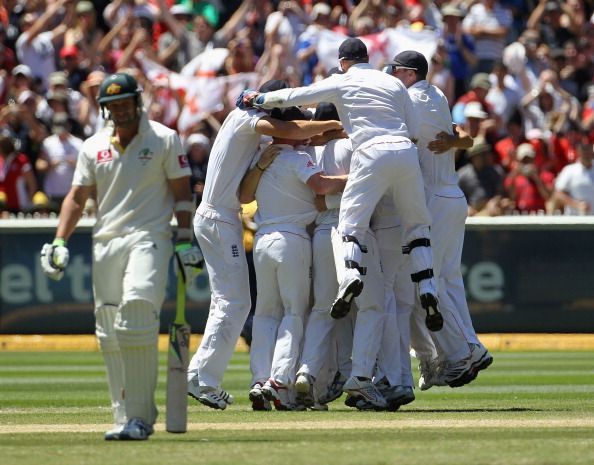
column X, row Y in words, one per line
column 518, row 76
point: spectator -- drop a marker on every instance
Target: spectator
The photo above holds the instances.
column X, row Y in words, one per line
column 555, row 21
column 70, row 62
column 198, row 150
column 17, row 181
column 526, row 186
column 488, row 22
column 481, row 180
column 440, row 75
column 574, row 187
column 503, row 97
column 57, row 159
column 84, row 33
column 89, row 114
column 479, row 88
column 506, row 148
column 308, row 40
column 460, row 48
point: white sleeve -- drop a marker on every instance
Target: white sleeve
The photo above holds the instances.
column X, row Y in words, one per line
column 562, row 181
column 304, row 167
column 321, row 91
column 84, row 173
column 176, row 161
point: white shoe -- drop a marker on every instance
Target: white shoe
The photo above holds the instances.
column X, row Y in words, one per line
column 304, row 389
column 259, row 402
column 428, row 374
column 366, row 390
column 464, row 371
column 278, row 395
column 134, row 430
column 350, row 287
column 334, row 391
column 210, row 396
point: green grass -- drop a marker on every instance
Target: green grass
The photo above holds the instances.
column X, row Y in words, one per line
column 527, row 408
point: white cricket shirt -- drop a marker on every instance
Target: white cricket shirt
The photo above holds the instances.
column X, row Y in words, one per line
column 283, row 196
column 132, row 190
column 369, row 103
column 232, row 153
column 433, row 114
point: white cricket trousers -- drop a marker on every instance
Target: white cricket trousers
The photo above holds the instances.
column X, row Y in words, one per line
column 449, row 213
column 282, row 260
column 382, row 164
column 220, row 236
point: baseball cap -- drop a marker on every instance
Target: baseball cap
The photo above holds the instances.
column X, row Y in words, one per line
column 24, row 96
column 290, row 114
column 410, row 59
column 180, row 10
column 22, row 69
column 474, row 110
column 451, row 10
column 58, row 78
column 352, row 49
column 320, row 9
column 525, row 150
column 84, row 7
column 480, row 80
column 69, row 51
column 199, row 139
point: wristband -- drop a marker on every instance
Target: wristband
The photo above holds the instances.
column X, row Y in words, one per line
column 181, row 246
column 60, row 242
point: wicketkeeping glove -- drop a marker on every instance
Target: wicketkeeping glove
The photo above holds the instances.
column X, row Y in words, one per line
column 54, row 259
column 188, row 260
column 246, row 98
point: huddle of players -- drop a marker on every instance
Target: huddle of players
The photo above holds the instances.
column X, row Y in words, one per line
column 305, row 359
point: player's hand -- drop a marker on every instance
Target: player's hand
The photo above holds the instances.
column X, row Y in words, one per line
column 320, row 203
column 268, row 156
column 246, row 99
column 442, row 142
column 188, row 260
column 54, row 259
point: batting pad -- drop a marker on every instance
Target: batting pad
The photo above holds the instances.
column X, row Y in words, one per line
column 137, row 330
column 110, row 349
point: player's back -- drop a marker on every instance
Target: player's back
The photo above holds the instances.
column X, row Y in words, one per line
column 433, row 114
column 232, row 152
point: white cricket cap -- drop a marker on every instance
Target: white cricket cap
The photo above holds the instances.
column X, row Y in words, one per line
column 474, row 110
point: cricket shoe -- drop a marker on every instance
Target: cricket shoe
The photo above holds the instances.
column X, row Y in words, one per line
column 278, row 395
column 134, row 430
column 480, row 359
column 429, row 374
column 208, row 396
column 363, row 388
column 396, row 396
column 259, row 402
column 350, row 287
column 319, row 407
column 433, row 320
column 304, row 389
column 334, row 391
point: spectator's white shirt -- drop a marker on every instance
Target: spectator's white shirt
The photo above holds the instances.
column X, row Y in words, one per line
column 232, row 152
column 578, row 182
column 289, row 27
column 283, row 196
column 369, row 103
column 133, row 193
column 58, row 180
column 39, row 55
column 488, row 48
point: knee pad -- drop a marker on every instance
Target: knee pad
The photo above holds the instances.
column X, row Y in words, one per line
column 352, row 253
column 137, row 324
column 104, row 328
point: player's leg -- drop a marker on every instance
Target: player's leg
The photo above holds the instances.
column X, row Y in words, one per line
column 222, row 247
column 137, row 328
column 108, row 275
column 267, row 318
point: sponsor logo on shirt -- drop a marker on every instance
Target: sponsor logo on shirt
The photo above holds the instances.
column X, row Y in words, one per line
column 104, row 156
column 309, row 164
column 145, row 155
column 183, row 161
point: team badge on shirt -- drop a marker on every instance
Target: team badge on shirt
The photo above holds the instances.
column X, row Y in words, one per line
column 145, row 155
column 183, row 161
column 104, row 156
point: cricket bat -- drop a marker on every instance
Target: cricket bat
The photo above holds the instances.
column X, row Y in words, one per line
column 177, row 365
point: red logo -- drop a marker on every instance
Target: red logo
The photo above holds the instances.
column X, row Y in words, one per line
column 183, row 161
column 104, row 156
column 309, row 164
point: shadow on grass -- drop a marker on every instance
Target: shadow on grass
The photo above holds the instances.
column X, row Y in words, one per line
column 471, row 410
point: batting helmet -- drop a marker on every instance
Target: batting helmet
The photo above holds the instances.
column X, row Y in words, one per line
column 118, row 86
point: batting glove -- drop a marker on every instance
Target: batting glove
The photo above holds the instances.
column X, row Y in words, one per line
column 54, row 259
column 246, row 99
column 188, row 260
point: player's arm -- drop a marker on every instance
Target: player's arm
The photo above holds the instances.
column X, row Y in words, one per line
column 295, row 130
column 444, row 141
column 251, row 180
column 183, row 207
column 321, row 91
column 322, row 184
column 72, row 209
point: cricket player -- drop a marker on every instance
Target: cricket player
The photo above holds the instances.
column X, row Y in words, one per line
column 376, row 112
column 217, row 226
column 461, row 353
column 282, row 258
column 140, row 174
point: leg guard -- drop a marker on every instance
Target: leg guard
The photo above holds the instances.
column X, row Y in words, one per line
column 104, row 330
column 347, row 253
column 137, row 330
